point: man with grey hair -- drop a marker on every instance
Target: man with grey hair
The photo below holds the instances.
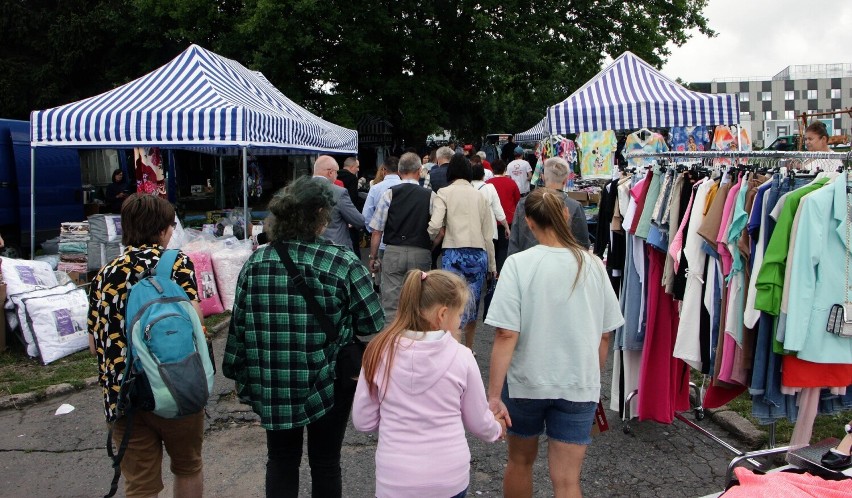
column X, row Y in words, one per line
column 437, row 177
column 555, row 174
column 401, row 219
column 344, row 212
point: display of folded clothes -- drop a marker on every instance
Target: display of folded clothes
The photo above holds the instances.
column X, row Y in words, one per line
column 73, row 257
column 69, row 267
column 74, row 229
column 80, row 247
column 74, row 246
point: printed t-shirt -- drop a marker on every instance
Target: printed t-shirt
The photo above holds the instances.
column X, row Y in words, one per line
column 690, row 138
column 635, row 143
column 597, row 150
column 518, row 170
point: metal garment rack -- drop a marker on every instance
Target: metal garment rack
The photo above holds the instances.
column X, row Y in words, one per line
column 741, row 456
column 735, row 154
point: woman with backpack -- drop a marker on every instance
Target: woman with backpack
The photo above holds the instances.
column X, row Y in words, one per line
column 278, row 351
column 147, row 222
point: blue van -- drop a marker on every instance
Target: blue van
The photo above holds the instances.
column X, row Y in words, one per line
column 58, row 187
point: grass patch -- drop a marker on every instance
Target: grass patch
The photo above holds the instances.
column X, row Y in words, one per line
column 213, row 320
column 825, row 426
column 20, row 374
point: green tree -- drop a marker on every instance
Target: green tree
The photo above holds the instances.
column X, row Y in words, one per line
column 472, row 66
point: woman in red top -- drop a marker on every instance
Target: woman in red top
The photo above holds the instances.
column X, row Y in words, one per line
column 509, row 195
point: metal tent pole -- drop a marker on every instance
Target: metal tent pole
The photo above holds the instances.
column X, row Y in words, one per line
column 220, row 190
column 245, row 188
column 32, row 201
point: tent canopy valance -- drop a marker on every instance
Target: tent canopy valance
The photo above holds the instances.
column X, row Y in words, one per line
column 631, row 94
column 534, row 134
column 198, row 100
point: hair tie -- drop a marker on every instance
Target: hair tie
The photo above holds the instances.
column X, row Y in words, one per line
column 423, row 275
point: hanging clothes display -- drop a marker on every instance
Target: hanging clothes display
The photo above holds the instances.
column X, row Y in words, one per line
column 597, row 153
column 737, row 281
column 690, row 138
column 644, row 141
column 148, row 165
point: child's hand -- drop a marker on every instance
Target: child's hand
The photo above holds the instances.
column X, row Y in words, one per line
column 502, row 423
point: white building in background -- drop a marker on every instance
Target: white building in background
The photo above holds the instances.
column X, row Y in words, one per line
column 774, row 103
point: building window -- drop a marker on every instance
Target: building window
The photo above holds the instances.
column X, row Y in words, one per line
column 812, row 94
column 765, row 96
column 789, row 95
column 837, row 132
column 767, row 115
column 835, row 93
column 743, row 96
column 789, row 114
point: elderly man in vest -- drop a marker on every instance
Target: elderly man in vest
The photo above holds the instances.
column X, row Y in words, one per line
column 401, row 218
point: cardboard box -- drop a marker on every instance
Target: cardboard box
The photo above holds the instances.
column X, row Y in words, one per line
column 581, row 197
column 82, row 278
column 594, row 198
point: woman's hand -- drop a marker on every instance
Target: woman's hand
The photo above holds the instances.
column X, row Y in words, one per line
column 501, row 413
column 502, row 423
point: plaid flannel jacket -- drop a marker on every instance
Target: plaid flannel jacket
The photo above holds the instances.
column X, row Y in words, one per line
column 276, row 350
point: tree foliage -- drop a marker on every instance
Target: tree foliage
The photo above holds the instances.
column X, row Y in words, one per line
column 473, row 66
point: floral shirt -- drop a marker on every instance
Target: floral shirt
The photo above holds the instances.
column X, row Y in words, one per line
column 107, row 301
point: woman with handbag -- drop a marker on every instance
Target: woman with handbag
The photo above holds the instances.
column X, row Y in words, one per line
column 299, row 303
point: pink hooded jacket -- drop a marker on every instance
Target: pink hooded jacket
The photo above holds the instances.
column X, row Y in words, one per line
column 435, row 393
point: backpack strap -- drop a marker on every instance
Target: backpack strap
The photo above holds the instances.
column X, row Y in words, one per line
column 331, row 333
column 122, row 447
column 166, row 263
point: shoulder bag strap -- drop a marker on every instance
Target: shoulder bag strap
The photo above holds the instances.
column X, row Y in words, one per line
column 331, row 332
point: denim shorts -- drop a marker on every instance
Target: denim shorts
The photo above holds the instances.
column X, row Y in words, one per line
column 565, row 421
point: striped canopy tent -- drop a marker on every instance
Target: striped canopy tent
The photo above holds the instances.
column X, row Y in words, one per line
column 535, row 134
column 198, row 101
column 630, row 94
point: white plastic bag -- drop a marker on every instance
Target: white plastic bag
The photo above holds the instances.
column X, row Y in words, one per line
column 229, row 256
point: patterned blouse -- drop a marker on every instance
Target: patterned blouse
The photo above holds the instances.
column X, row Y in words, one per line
column 107, row 300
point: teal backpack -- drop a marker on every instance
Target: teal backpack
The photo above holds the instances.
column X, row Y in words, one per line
column 169, row 370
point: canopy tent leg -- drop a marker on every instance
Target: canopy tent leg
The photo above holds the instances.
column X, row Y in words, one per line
column 220, row 188
column 245, row 189
column 32, row 202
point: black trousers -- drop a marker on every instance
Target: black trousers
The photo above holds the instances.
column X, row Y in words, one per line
column 325, row 438
column 501, row 247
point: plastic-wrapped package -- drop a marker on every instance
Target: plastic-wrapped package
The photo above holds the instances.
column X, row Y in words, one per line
column 51, row 259
column 20, row 314
column 229, row 256
column 178, row 238
column 58, row 323
column 105, row 227
column 207, row 291
column 21, row 275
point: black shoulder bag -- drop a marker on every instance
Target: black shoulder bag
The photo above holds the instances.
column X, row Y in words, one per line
column 350, row 355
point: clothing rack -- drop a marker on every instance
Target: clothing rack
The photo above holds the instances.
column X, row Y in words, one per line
column 734, row 154
column 698, row 410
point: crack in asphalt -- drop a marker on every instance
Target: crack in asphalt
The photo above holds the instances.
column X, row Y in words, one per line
column 79, row 450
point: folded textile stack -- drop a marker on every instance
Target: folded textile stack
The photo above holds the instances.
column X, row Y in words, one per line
column 105, row 239
column 73, row 247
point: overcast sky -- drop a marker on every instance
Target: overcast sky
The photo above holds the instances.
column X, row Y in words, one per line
column 762, row 37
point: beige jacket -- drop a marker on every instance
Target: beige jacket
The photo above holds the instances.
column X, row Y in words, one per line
column 467, row 218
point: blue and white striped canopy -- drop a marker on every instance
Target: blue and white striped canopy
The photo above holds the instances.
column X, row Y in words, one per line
column 630, row 94
column 199, row 100
column 535, row 134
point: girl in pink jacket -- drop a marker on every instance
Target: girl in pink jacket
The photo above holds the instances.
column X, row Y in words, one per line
column 421, row 389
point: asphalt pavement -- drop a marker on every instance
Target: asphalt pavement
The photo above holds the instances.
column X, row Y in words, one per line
column 64, row 455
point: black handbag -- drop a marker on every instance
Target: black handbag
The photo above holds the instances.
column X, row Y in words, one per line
column 350, row 355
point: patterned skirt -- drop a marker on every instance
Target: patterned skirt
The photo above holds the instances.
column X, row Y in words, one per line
column 471, row 265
